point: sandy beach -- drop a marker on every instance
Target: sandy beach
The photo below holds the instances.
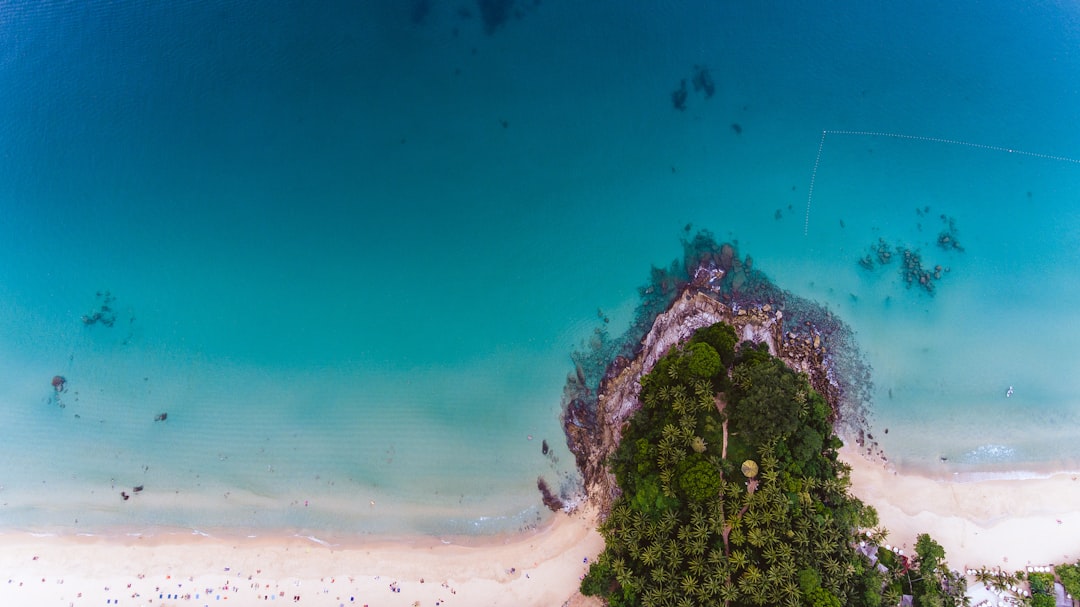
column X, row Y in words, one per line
column 992, row 523
column 541, row 568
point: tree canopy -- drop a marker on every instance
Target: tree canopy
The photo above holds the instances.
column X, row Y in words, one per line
column 692, row 529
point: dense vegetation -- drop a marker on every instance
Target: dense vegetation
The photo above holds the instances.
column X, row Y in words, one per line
column 733, row 494
column 1070, row 577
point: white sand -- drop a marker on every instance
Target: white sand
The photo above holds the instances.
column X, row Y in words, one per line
column 1006, row 523
column 1009, row 523
column 541, row 568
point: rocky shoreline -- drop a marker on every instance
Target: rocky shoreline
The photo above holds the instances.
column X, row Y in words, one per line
column 807, row 337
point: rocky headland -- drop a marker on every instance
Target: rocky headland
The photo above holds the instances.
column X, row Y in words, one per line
column 719, row 287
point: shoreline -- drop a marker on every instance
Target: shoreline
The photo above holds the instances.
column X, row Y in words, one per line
column 540, row 567
column 1007, row 523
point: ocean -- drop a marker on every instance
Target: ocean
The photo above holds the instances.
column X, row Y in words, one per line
column 346, row 249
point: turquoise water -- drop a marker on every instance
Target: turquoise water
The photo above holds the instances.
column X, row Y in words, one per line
column 351, row 249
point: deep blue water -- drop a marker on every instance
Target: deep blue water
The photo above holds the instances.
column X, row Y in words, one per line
column 351, row 250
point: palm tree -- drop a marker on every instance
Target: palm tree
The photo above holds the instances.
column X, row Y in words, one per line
column 650, row 529
column 663, row 394
column 698, row 545
column 891, row 596
column 787, row 567
column 666, row 473
column 790, row 588
column 756, row 537
column 983, row 575
column 711, row 588
column 651, row 555
column 729, row 592
column 652, row 597
column 751, row 581
column 681, row 405
column 673, row 553
column 704, row 398
column 772, row 553
column 668, row 521
column 661, row 575
column 738, row 559
column 689, row 583
column 737, row 537
column 740, row 376
column 718, row 559
column 698, row 566
column 753, row 518
column 832, row 567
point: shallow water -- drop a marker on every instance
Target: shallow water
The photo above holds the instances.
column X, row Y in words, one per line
column 350, row 253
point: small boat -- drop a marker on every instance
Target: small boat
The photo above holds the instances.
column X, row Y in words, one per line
column 1009, row 392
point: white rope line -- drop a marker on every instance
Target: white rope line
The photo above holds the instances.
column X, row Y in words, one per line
column 981, row 146
column 813, row 176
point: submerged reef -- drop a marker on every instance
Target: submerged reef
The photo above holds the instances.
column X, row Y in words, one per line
column 711, row 284
column 679, row 95
column 702, row 82
column 103, row 312
column 913, row 271
column 496, row 13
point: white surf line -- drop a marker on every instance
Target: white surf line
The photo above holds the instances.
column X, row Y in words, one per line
column 970, row 144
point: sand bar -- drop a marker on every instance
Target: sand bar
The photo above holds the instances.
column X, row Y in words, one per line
column 541, row 568
column 992, row 523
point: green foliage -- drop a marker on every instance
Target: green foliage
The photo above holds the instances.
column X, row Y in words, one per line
column 698, row 479
column 600, row 579
column 815, row 595
column 806, row 443
column 932, row 584
column 650, row 499
column 1042, row 600
column 1041, row 583
column 690, row 529
column 764, row 408
column 1070, row 577
column 929, row 554
column 722, row 339
column 702, row 360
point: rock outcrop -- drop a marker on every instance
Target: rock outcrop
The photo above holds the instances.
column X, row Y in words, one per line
column 800, row 337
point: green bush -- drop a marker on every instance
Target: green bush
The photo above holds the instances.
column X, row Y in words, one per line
column 1070, row 578
column 600, row 579
column 1041, row 583
column 722, row 339
column 698, row 479
column 1043, row 600
column 702, row 361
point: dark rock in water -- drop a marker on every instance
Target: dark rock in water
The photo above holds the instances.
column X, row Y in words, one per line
column 544, row 447
column 703, row 81
column 160, row 417
column 420, row 11
column 104, row 313
column 581, row 414
column 137, row 489
column 679, row 95
column 735, row 126
column 495, row 13
column 549, row 498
